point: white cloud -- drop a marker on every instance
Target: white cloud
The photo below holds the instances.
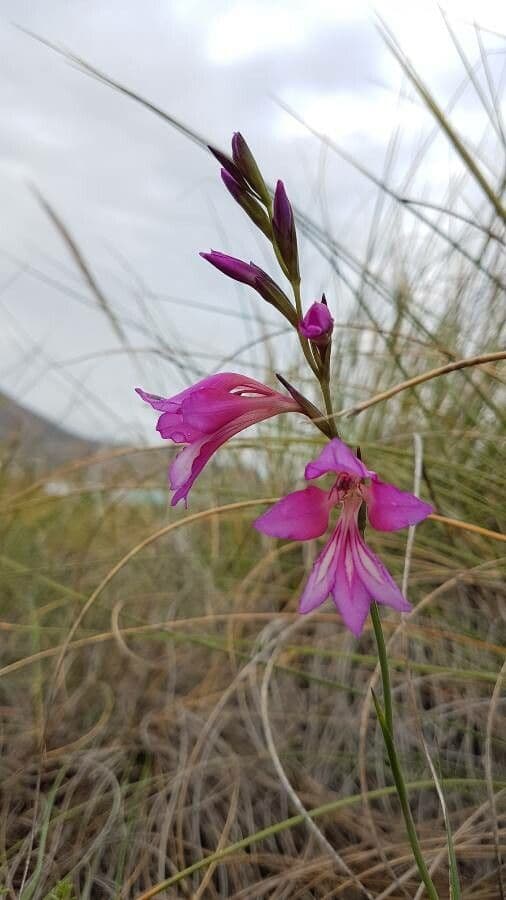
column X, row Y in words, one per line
column 247, row 29
column 341, row 115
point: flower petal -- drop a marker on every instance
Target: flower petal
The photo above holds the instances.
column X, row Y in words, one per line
column 185, row 468
column 225, row 381
column 300, row 516
column 170, row 424
column 351, row 597
column 212, row 403
column 210, row 409
column 374, row 576
column 188, row 464
column 321, row 579
column 337, row 457
column 317, row 324
column 159, row 403
column 171, row 427
column 389, row 508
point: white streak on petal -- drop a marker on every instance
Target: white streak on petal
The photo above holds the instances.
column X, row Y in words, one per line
column 368, row 563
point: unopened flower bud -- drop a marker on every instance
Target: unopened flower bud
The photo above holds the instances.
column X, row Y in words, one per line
column 249, row 273
column 317, row 324
column 229, row 265
column 251, row 207
column 271, row 292
column 283, row 226
column 227, row 164
column 245, row 162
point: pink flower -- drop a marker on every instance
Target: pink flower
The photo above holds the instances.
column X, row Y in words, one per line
column 317, row 324
column 346, row 567
column 206, row 415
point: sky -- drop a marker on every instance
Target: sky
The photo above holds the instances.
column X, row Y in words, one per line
column 141, row 201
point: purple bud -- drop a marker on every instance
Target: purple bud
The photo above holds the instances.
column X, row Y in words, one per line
column 232, row 184
column 252, row 208
column 227, row 164
column 283, row 226
column 248, row 273
column 245, row 162
column 270, row 291
column 229, row 265
column 317, row 324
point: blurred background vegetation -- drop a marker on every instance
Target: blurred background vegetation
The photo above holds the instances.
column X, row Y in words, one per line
column 160, row 698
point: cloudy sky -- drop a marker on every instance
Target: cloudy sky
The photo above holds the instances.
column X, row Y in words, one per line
column 140, row 200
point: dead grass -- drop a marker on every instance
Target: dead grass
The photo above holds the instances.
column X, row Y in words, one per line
column 170, row 726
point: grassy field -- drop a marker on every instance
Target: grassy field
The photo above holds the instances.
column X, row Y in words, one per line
column 169, row 720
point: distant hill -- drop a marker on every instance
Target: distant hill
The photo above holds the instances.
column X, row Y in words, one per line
column 31, row 439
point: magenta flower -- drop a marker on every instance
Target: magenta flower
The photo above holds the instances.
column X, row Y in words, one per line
column 317, row 324
column 346, row 567
column 206, row 415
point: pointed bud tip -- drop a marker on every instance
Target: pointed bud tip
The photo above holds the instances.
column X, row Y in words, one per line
column 283, row 226
column 230, row 182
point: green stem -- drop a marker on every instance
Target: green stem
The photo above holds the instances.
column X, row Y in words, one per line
column 385, row 671
column 297, row 298
column 385, row 718
column 304, row 343
column 324, row 384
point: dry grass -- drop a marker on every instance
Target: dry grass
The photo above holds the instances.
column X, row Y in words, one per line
column 168, row 719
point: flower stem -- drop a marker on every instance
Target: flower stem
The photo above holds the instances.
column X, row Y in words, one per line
column 324, row 384
column 385, row 671
column 304, row 343
column 385, row 718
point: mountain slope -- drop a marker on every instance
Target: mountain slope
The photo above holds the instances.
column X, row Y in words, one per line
column 31, row 438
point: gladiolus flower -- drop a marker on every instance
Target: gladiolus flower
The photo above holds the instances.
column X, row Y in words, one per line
column 207, row 415
column 346, row 568
column 317, row 324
